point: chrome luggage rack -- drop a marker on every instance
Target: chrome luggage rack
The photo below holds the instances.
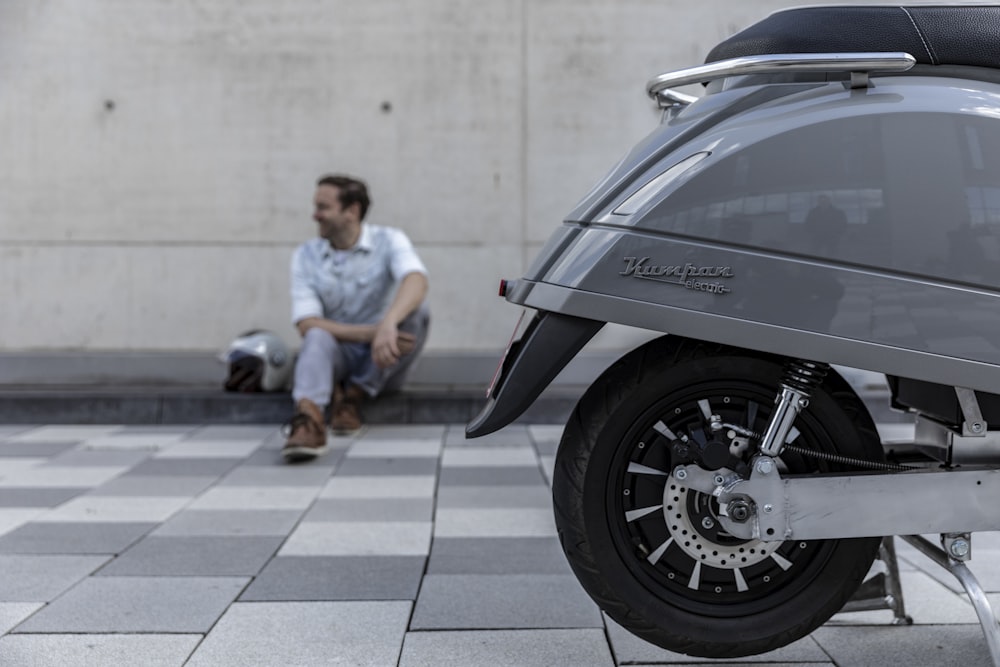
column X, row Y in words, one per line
column 858, row 64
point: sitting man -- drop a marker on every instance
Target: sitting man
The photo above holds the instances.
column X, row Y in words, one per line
column 358, row 301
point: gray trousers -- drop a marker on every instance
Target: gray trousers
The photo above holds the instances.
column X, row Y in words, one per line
column 324, row 361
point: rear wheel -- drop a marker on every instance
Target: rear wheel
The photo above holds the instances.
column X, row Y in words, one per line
column 652, row 552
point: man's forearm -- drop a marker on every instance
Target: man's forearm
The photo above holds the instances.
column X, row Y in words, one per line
column 348, row 333
column 411, row 293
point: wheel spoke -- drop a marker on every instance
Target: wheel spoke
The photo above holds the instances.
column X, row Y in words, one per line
column 654, row 557
column 664, row 430
column 639, row 513
column 706, row 409
column 741, row 583
column 695, row 581
column 782, row 562
column 639, row 469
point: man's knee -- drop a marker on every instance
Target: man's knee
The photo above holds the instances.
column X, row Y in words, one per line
column 319, row 338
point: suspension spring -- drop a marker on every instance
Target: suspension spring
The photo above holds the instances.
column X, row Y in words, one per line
column 803, row 376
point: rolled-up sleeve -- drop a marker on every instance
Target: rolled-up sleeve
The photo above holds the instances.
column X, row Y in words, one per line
column 305, row 301
column 403, row 258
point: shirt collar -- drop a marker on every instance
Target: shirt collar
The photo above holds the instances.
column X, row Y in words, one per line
column 365, row 243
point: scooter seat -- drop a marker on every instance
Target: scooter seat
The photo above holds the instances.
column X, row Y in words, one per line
column 933, row 34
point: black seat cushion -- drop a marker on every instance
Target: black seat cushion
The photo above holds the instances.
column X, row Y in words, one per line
column 934, row 35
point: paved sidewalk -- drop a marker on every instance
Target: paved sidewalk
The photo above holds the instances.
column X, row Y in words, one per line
column 194, row 545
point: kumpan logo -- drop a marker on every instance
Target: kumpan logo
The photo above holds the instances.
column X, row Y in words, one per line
column 689, row 276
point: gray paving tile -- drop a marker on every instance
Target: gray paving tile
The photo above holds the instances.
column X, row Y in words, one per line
column 12, row 518
column 493, row 522
column 138, row 604
column 208, row 449
column 256, row 498
column 38, row 497
column 42, row 578
column 59, row 476
column 391, row 466
column 632, row 650
column 159, row 429
column 148, row 442
column 456, row 602
column 390, row 486
column 67, row 433
column 7, row 430
column 154, row 485
column 515, row 435
column 405, row 431
column 230, row 522
column 338, row 578
column 73, row 538
column 256, row 432
column 194, row 556
column 371, row 509
column 393, row 448
column 185, row 467
column 305, row 634
column 35, row 448
column 357, row 538
column 97, row 650
column 913, row 646
column 12, row 613
column 525, row 648
column 129, row 509
column 470, row 497
column 13, row 467
column 249, row 475
column 523, row 456
column 100, row 458
column 481, row 476
column 512, row 555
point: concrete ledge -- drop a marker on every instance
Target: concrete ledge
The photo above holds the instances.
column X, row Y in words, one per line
column 96, row 368
column 186, row 388
column 207, row 405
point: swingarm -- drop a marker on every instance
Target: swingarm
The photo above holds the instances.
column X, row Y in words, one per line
column 771, row 507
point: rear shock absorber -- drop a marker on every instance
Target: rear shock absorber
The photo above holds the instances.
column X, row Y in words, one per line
column 800, row 379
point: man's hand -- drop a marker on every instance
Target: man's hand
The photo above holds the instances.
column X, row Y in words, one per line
column 390, row 344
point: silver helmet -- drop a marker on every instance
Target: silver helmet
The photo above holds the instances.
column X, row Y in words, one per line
column 257, row 360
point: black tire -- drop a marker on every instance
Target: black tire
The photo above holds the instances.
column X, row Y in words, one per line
column 705, row 593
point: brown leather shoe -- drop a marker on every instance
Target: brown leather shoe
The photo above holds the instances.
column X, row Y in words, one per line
column 306, row 433
column 346, row 418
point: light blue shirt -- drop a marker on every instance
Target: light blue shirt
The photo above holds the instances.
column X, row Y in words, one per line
column 352, row 286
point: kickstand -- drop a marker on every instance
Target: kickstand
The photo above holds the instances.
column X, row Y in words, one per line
column 882, row 590
column 991, row 630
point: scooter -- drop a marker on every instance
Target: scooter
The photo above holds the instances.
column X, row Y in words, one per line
column 831, row 200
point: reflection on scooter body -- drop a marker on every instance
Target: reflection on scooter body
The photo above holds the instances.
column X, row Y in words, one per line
column 833, row 198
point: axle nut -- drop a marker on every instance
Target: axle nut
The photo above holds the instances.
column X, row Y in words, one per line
column 738, row 511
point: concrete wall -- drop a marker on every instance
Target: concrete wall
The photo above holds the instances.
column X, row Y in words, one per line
column 158, row 156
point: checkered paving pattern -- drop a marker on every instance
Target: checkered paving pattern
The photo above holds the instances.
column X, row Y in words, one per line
column 407, row 545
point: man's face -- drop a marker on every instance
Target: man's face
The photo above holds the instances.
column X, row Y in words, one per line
column 333, row 220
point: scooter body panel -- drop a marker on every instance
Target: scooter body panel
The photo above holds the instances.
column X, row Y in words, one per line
column 727, row 250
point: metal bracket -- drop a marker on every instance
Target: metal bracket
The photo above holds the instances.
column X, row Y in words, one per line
column 973, row 424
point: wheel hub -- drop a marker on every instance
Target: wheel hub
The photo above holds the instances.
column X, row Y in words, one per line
column 692, row 519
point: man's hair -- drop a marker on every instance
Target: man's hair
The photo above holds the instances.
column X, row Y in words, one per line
column 349, row 191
